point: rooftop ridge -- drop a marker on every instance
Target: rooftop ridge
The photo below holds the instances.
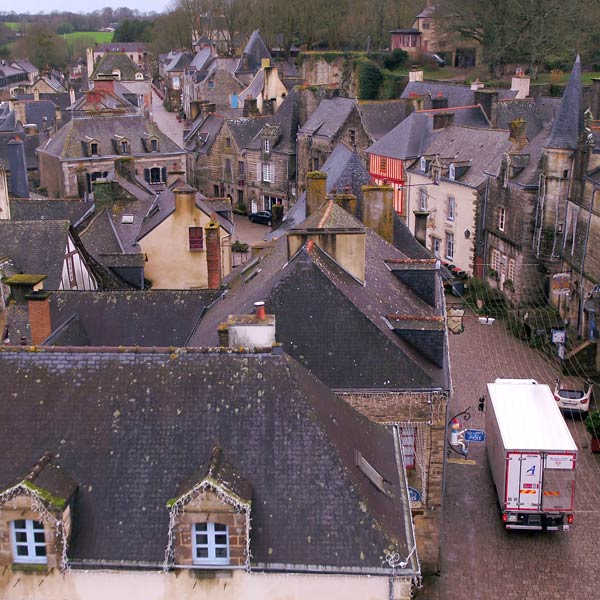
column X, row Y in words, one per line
column 173, row 352
column 447, row 109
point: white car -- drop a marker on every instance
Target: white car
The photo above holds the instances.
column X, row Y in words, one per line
column 573, row 400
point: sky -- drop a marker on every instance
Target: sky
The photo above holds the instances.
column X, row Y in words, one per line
column 35, row 6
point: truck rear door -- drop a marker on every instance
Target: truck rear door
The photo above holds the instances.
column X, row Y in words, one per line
column 558, row 483
column 523, row 481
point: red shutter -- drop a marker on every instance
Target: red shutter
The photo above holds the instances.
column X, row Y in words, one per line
column 196, row 239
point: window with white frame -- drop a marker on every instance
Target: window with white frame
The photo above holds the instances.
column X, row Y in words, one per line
column 501, row 218
column 449, row 245
column 451, row 208
column 422, row 199
column 267, row 145
column 408, row 436
column 452, row 172
column 423, row 164
column 267, row 172
column 495, row 260
column 436, row 245
column 511, row 269
column 28, row 541
column 210, row 544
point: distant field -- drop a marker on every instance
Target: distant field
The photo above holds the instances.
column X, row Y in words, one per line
column 101, row 37
column 11, row 24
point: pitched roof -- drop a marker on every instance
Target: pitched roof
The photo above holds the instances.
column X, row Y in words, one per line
column 203, row 133
column 330, row 116
column 409, row 138
column 458, row 95
column 254, row 51
column 36, row 247
column 121, row 47
column 537, row 112
column 299, row 436
column 40, row 112
column 244, row 129
column 178, row 61
column 68, row 142
column 568, row 125
column 49, row 210
column 127, row 318
column 314, row 298
column 379, row 117
column 202, row 58
column 116, row 60
column 30, row 143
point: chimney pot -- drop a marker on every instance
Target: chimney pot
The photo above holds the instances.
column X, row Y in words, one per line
column 261, row 313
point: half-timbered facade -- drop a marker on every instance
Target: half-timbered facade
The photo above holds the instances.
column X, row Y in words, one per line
column 389, row 171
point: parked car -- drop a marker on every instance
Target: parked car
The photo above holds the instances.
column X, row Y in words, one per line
column 577, row 400
column 262, row 216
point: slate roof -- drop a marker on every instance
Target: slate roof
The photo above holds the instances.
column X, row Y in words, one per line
column 36, row 247
column 379, row 117
column 202, row 58
column 530, row 175
column 568, row 125
column 296, row 446
column 313, row 298
column 458, row 95
column 410, row 137
column 127, row 318
column 30, row 143
column 329, row 117
column 49, row 210
column 178, row 61
column 484, row 149
column 68, row 141
column 203, row 133
column 116, row 60
column 121, row 47
column 538, row 112
column 255, row 50
column 244, row 129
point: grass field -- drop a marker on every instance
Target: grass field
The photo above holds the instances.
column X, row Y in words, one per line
column 101, row 37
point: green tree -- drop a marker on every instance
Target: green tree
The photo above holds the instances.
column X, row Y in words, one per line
column 42, row 46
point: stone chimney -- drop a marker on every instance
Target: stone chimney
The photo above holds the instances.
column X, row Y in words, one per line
column 316, row 184
column 72, row 96
column 276, row 216
column 520, row 84
column 4, row 202
column 378, row 210
column 57, row 117
column 348, row 202
column 441, row 119
column 268, row 106
column 36, row 94
column 173, row 175
column 250, row 107
column 252, row 331
column 488, row 100
column 207, row 108
column 125, row 167
column 185, row 199
column 518, row 132
column 477, row 85
column 439, row 101
column 213, row 253
column 104, row 194
column 19, row 107
column 19, row 186
column 421, row 226
column 194, row 110
column 415, row 75
column 27, row 289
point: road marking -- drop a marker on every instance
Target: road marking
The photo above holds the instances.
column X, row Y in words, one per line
column 461, row 461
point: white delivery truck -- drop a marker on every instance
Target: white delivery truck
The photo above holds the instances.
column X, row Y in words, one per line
column 532, row 455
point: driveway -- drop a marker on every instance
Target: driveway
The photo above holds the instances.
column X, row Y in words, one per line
column 480, row 559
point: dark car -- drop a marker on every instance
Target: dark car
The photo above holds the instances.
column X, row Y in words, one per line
column 262, row 216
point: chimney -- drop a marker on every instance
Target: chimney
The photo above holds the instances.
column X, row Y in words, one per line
column 104, row 194
column 316, row 184
column 4, row 202
column 440, row 101
column 125, row 167
column 415, row 75
column 40, row 322
column 276, row 216
column 207, row 108
column 30, row 128
column 265, row 63
column 194, row 110
column 19, row 108
column 213, row 253
column 36, row 94
column 268, row 106
column 421, row 226
column 72, row 96
column 223, row 334
column 348, row 202
column 104, row 85
column 378, row 210
column 477, row 85
column 250, row 107
column 185, row 199
column 518, row 132
column 252, row 331
column 520, row 84
column 57, row 117
column 173, row 175
column 440, row 120
column 488, row 100
column 19, row 186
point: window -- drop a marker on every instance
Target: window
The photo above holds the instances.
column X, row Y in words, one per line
column 315, row 164
column 156, row 175
column 241, row 168
column 422, row 199
column 228, row 166
column 383, row 164
column 267, row 172
column 495, row 261
column 423, row 164
column 435, row 246
column 267, row 145
column 511, row 269
column 196, row 239
column 124, row 146
column 240, row 196
column 501, row 218
column 451, row 209
column 154, row 145
column 28, row 541
column 408, row 436
column 352, row 136
column 211, row 84
column 449, row 245
column 94, row 148
column 435, row 175
column 210, row 543
column 228, row 142
column 452, row 172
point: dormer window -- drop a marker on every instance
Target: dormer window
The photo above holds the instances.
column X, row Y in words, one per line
column 352, row 137
column 423, row 164
column 28, row 541
column 267, row 145
column 94, row 148
column 452, row 172
column 124, row 146
column 210, row 544
column 154, row 145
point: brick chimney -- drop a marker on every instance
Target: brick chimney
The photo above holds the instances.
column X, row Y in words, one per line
column 19, row 185
column 104, row 85
column 378, row 210
column 27, row 289
column 252, row 331
column 213, row 252
column 316, row 184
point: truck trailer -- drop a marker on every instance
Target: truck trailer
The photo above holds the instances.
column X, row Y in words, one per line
column 532, row 456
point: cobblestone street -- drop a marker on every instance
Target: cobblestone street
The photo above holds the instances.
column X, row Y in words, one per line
column 481, row 560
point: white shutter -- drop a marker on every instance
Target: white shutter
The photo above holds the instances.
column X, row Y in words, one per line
column 258, row 172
